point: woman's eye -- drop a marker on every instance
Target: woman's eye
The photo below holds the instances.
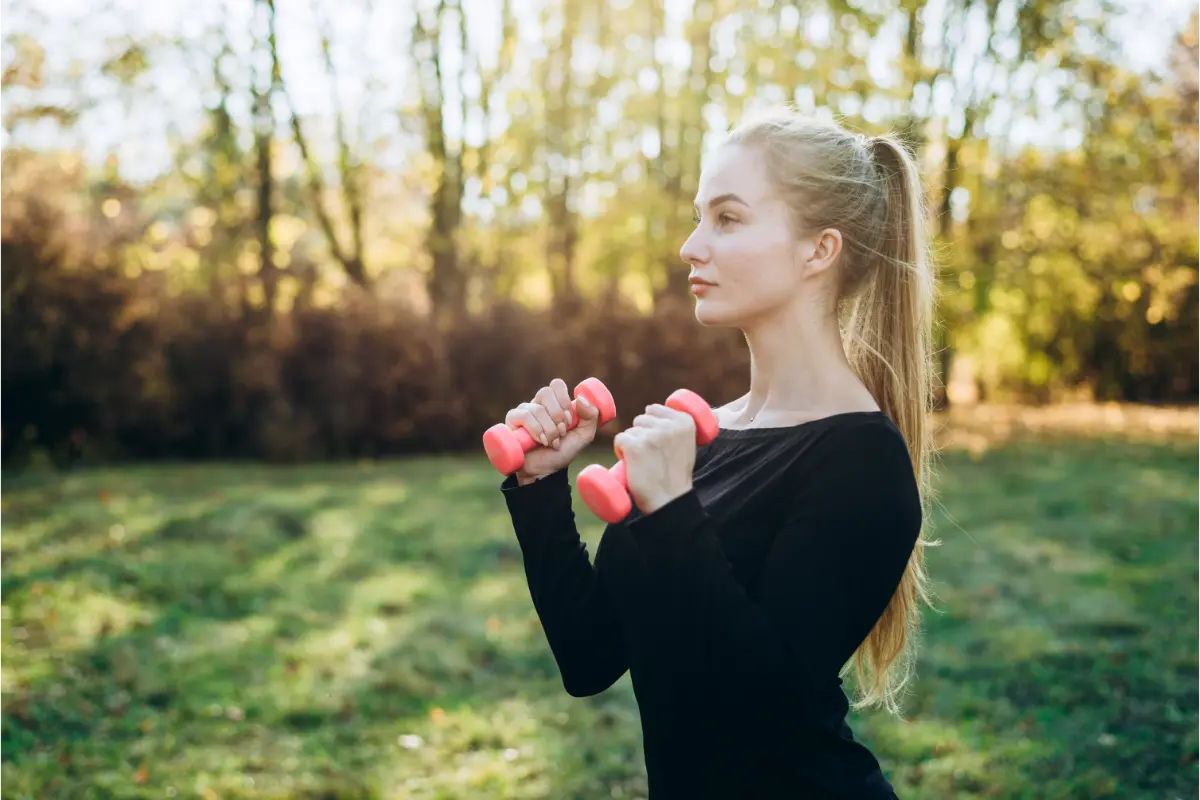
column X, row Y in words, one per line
column 727, row 219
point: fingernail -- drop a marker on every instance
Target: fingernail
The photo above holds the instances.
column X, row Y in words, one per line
column 562, row 429
column 568, row 413
column 545, row 441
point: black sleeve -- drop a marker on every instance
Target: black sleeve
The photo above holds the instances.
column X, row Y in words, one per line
column 851, row 522
column 581, row 628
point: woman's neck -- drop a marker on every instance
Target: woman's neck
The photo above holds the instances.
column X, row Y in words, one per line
column 798, row 371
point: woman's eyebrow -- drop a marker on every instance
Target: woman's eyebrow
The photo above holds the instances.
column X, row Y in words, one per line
column 721, row 198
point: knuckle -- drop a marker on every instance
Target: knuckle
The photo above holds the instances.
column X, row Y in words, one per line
column 549, row 400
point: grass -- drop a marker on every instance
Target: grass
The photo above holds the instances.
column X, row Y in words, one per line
column 364, row 631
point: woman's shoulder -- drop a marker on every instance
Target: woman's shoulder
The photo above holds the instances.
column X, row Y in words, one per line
column 859, row 458
column 854, row 437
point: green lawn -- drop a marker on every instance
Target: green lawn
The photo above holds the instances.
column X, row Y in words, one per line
column 364, row 631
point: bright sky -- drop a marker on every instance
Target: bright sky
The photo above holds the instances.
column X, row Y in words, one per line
column 136, row 124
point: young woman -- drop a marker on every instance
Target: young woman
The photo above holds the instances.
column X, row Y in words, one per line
column 754, row 569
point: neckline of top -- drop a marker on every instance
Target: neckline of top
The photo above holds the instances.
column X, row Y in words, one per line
column 753, row 433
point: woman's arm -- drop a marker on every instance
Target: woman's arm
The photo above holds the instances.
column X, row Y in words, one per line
column 851, row 525
column 581, row 628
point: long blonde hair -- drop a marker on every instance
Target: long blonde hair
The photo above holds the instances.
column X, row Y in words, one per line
column 870, row 190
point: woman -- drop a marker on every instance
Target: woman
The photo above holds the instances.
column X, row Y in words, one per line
column 752, row 570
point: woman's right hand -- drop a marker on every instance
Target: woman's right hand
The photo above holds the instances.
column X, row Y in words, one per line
column 546, row 418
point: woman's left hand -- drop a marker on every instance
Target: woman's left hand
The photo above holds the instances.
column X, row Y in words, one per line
column 659, row 452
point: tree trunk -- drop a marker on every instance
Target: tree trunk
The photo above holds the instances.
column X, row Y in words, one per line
column 264, row 126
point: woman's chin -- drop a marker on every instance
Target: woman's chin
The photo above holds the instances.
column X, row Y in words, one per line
column 711, row 314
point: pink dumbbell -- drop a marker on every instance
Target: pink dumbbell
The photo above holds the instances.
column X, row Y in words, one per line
column 506, row 447
column 606, row 491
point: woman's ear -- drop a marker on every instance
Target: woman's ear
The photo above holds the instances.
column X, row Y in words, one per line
column 818, row 252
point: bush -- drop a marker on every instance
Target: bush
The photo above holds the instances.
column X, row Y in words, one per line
column 101, row 367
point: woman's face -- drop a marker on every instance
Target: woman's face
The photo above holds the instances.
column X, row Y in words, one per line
column 745, row 261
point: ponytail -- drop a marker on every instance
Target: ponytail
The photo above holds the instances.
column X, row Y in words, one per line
column 888, row 342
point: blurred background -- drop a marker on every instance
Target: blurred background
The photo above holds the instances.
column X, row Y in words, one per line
column 355, row 229
column 271, row 267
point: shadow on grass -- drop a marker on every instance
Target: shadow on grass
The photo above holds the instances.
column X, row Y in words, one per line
column 257, row 638
column 1063, row 654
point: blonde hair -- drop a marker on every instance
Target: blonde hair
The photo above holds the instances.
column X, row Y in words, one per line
column 870, row 190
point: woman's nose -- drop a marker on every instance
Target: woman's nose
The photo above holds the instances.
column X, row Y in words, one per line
column 694, row 250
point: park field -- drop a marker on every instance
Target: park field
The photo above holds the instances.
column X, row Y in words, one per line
column 331, row 632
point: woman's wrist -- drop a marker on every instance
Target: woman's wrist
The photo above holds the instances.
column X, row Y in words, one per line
column 524, row 479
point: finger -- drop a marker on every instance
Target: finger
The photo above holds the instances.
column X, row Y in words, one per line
column 665, row 412
column 549, row 400
column 586, row 410
column 559, row 387
column 658, row 413
column 537, row 423
column 670, row 416
column 630, row 438
column 522, row 417
column 542, row 414
column 648, row 421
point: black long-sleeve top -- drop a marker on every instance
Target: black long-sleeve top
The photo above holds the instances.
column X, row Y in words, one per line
column 735, row 605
